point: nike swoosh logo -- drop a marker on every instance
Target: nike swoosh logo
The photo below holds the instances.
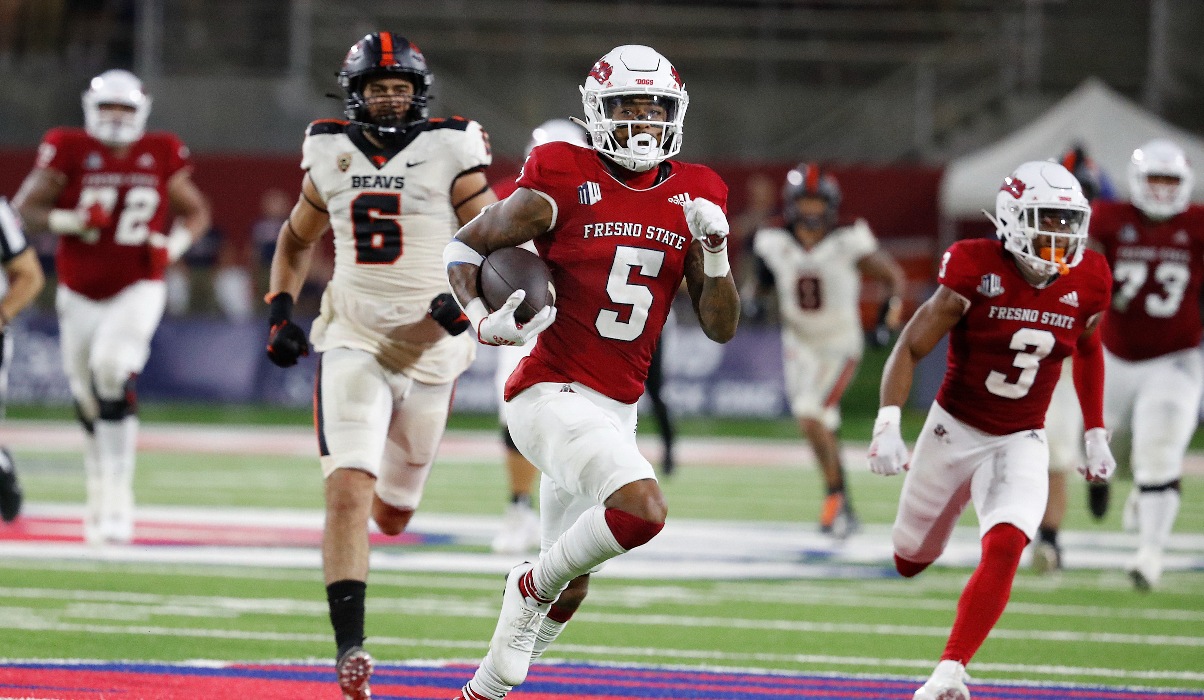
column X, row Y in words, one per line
column 414, row 163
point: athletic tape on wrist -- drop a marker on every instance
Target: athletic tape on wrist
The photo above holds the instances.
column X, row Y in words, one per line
column 457, row 251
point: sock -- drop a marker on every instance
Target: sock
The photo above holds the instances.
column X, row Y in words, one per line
column 485, row 683
column 586, row 544
column 1157, row 508
column 346, row 601
column 551, row 627
column 986, row 594
column 1048, row 534
column 521, row 499
column 116, row 442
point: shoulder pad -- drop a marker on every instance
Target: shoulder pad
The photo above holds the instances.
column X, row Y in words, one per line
column 457, row 123
column 326, row 126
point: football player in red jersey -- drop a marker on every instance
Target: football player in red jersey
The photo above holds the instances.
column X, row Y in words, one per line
column 1013, row 309
column 1151, row 335
column 124, row 207
column 619, row 225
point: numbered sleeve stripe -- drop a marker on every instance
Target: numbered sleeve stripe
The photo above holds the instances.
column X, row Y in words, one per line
column 842, row 383
column 319, row 419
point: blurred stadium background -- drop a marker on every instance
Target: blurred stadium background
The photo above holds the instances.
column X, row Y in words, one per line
column 899, row 97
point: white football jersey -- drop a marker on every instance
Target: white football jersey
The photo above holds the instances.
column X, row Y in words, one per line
column 819, row 289
column 391, row 213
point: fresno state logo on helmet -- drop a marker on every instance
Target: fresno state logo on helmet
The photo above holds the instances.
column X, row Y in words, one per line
column 1013, row 186
column 677, row 77
column 601, row 72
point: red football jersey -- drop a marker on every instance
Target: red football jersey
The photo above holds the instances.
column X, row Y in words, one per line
column 1005, row 355
column 1157, row 269
column 617, row 257
column 132, row 188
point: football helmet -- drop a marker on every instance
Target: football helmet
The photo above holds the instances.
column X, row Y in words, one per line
column 557, row 130
column 1160, row 201
column 385, row 53
column 626, row 72
column 810, row 180
column 1042, row 217
column 110, row 127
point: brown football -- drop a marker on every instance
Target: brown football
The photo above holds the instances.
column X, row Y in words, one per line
column 508, row 269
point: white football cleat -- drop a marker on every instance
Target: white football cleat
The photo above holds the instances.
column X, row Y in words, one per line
column 1047, row 558
column 948, row 682
column 517, row 626
column 520, row 531
column 1146, row 569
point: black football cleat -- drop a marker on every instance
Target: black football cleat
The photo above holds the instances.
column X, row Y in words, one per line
column 1098, row 496
column 10, row 488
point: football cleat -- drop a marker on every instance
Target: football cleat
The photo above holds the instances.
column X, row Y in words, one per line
column 1097, row 499
column 836, row 517
column 948, row 682
column 354, row 669
column 10, row 488
column 1146, row 569
column 1047, row 558
column 517, row 627
column 520, row 531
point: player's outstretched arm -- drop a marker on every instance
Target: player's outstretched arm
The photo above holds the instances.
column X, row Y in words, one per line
column 36, row 197
column 881, row 265
column 708, row 274
column 295, row 243
column 935, row 318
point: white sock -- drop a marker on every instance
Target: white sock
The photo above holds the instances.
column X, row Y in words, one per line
column 1156, row 513
column 116, row 442
column 94, row 487
column 486, row 684
column 549, row 630
column 586, row 544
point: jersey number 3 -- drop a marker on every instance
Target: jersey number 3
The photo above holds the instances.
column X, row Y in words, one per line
column 1033, row 345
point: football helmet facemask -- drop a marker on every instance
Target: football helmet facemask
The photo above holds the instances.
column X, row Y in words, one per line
column 116, row 127
column 1160, row 201
column 634, row 73
column 385, row 54
column 1042, row 217
column 810, row 180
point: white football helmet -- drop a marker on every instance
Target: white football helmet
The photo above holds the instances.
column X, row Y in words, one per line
column 1160, row 157
column 116, row 87
column 1042, row 217
column 627, row 71
column 557, row 130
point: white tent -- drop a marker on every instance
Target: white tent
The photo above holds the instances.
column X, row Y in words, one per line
column 1107, row 125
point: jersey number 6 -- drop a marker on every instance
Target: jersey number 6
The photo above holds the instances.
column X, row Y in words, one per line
column 376, row 220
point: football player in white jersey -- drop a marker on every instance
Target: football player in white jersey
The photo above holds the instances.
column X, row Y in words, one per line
column 817, row 268
column 394, row 184
column 20, row 283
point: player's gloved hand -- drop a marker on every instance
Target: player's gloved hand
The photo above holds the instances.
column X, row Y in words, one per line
column 447, row 313
column 1101, row 465
column 500, row 327
column 286, row 340
column 708, row 225
column 888, row 453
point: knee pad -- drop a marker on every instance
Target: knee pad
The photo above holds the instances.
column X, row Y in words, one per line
column 631, row 531
column 1154, row 488
column 117, row 409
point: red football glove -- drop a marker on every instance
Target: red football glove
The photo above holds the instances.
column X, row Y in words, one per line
column 96, row 217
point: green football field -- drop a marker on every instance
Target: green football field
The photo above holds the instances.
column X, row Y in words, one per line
column 838, row 610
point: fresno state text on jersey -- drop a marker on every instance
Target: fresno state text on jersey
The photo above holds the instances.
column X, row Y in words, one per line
column 1005, row 355
column 132, row 188
column 1157, row 268
column 617, row 256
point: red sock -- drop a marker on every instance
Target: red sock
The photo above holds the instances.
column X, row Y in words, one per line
column 986, row 594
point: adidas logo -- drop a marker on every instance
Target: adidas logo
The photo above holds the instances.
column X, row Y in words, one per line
column 1071, row 298
column 680, row 200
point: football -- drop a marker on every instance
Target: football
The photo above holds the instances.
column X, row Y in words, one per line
column 508, row 269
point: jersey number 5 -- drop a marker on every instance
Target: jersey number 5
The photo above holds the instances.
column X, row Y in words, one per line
column 636, row 297
column 376, row 221
column 1033, row 345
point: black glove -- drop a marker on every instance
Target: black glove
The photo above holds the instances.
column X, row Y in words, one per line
column 447, row 312
column 286, row 340
column 880, row 335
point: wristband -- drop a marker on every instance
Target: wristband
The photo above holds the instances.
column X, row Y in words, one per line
column 65, row 221
column 888, row 414
column 280, row 308
column 457, row 251
column 476, row 312
column 715, row 264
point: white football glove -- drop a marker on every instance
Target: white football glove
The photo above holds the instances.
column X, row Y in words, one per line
column 888, row 453
column 1101, row 465
column 708, row 225
column 500, row 328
